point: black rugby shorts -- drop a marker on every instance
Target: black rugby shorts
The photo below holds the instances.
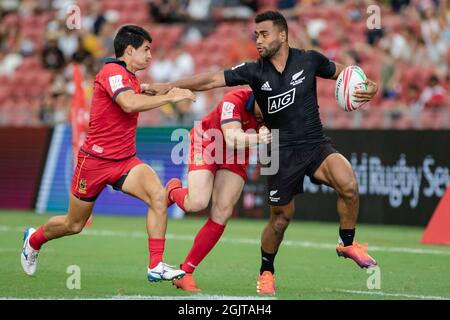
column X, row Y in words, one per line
column 294, row 164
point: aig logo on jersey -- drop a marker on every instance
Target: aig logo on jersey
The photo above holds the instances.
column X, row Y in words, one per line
column 281, row 101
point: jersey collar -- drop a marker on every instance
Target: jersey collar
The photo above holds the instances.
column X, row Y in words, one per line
column 117, row 61
column 287, row 62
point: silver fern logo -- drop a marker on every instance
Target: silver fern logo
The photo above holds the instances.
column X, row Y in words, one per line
column 295, row 78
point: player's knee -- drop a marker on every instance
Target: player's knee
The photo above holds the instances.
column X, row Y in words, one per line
column 349, row 190
column 280, row 221
column 221, row 211
column 157, row 198
column 198, row 204
column 74, row 227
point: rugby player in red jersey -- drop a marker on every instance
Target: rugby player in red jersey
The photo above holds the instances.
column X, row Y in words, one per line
column 217, row 170
column 108, row 156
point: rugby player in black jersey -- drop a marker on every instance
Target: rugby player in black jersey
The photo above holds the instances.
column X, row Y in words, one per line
column 284, row 83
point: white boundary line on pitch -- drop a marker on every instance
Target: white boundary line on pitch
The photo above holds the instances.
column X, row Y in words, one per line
column 140, row 297
column 398, row 295
column 304, row 244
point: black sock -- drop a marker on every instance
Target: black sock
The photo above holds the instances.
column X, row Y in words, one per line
column 267, row 261
column 347, row 236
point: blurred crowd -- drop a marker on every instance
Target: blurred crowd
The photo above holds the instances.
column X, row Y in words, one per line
column 402, row 44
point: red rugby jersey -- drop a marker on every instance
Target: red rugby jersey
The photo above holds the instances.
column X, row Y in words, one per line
column 112, row 132
column 233, row 107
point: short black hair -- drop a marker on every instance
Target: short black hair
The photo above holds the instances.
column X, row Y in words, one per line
column 130, row 35
column 274, row 16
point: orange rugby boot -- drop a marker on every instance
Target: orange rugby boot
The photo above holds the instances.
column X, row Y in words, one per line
column 171, row 185
column 358, row 253
column 186, row 283
column 266, row 283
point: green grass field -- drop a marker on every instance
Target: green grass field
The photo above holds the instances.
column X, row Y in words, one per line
column 112, row 256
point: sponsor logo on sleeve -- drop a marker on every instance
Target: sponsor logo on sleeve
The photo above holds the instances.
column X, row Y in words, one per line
column 116, row 82
column 227, row 110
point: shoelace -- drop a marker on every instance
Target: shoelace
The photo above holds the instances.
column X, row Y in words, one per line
column 165, row 265
column 33, row 256
column 265, row 280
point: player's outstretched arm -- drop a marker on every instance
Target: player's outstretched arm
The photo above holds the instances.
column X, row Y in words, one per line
column 360, row 95
column 201, row 82
column 130, row 101
column 236, row 138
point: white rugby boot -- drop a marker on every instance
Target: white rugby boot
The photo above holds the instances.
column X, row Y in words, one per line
column 163, row 271
column 28, row 257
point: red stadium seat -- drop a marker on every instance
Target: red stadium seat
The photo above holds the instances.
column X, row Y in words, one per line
column 215, row 59
column 225, row 29
column 150, row 118
column 201, row 61
column 373, row 119
column 4, row 94
column 434, row 119
column 175, row 31
column 387, row 104
column 192, row 48
column 341, row 120
column 11, row 19
column 403, row 122
column 328, row 103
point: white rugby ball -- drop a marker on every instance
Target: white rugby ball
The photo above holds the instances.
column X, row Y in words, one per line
column 349, row 80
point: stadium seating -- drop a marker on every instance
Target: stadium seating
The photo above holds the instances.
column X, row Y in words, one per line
column 210, row 54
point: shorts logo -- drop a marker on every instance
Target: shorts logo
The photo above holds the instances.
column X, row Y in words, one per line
column 83, row 186
column 198, row 159
column 281, row 101
column 227, row 110
column 272, row 193
column 295, row 78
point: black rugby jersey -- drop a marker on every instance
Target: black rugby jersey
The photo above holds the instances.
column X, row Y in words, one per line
column 288, row 100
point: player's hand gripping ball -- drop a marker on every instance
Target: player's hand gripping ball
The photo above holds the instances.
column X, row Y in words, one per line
column 352, row 79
